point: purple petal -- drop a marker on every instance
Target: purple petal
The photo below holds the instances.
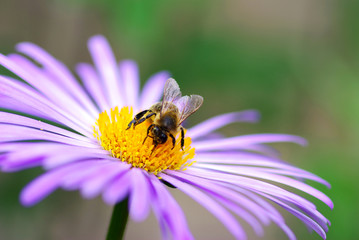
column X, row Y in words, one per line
column 223, row 191
column 213, row 159
column 42, row 186
column 17, row 96
column 305, row 219
column 55, row 161
column 212, row 206
column 106, row 66
column 25, row 155
column 230, row 199
column 168, row 212
column 157, row 208
column 153, row 89
column 261, row 148
column 253, row 139
column 131, row 82
column 251, row 184
column 310, row 211
column 253, row 172
column 10, row 133
column 28, row 155
column 31, row 161
column 90, row 167
column 140, row 197
column 93, row 187
column 10, row 118
column 267, row 190
column 93, row 84
column 243, row 158
column 217, row 122
column 118, row 189
column 271, row 211
column 252, row 221
column 44, row 82
column 59, row 72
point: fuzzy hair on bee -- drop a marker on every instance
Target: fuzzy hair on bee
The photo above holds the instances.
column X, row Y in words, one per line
column 167, row 116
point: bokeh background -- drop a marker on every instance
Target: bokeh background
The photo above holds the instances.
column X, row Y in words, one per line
column 297, row 62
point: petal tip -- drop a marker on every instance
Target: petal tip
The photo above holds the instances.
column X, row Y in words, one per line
column 27, row 200
column 97, row 40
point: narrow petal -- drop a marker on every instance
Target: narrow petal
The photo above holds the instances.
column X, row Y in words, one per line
column 42, row 186
column 157, row 208
column 90, row 167
column 118, row 189
column 10, row 133
column 230, row 199
column 18, row 96
column 311, row 212
column 29, row 154
column 274, row 178
column 54, row 161
column 305, row 219
column 59, row 72
column 93, row 84
column 264, row 164
column 94, row 186
column 131, row 82
column 210, row 186
column 44, row 83
column 237, row 142
column 10, row 118
column 252, row 184
column 140, row 199
column 153, row 89
column 31, row 161
column 259, row 148
column 244, row 158
column 278, row 196
column 245, row 215
column 211, row 205
column 106, row 66
column 271, row 211
column 217, row 122
column 168, row 212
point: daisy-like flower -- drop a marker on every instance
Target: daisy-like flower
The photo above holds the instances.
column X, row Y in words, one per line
column 76, row 130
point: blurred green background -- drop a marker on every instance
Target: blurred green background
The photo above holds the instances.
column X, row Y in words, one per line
column 297, row 62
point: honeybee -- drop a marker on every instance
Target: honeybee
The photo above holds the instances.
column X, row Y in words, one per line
column 167, row 116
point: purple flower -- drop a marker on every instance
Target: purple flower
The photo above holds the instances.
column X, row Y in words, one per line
column 77, row 132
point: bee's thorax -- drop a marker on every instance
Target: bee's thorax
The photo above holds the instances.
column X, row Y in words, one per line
column 168, row 121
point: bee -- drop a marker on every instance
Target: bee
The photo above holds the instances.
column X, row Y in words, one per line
column 167, row 116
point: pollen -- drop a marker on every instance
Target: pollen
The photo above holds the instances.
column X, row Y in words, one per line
column 129, row 146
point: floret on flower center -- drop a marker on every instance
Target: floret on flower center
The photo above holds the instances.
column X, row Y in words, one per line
column 128, row 145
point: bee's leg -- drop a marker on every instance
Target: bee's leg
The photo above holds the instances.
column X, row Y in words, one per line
column 173, row 141
column 138, row 116
column 148, row 132
column 182, row 138
column 130, row 124
column 144, row 118
column 155, row 143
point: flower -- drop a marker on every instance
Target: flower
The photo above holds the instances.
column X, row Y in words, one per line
column 77, row 131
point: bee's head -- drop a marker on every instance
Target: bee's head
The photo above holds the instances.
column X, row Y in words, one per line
column 159, row 135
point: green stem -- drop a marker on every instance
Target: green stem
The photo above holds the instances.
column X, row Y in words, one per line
column 118, row 222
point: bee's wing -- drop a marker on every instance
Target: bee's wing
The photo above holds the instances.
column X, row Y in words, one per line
column 188, row 105
column 171, row 93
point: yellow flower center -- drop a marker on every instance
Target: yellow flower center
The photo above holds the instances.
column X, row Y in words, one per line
column 128, row 145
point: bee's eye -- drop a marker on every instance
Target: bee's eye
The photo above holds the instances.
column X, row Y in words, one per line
column 163, row 138
column 155, row 130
